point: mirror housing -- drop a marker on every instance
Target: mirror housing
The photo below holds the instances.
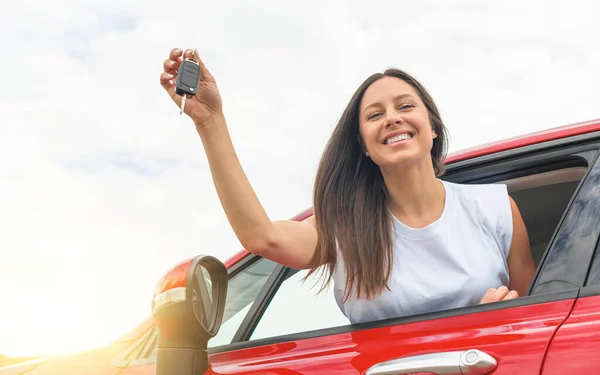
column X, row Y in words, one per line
column 188, row 307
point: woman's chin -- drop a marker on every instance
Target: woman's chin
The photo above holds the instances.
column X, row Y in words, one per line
column 405, row 159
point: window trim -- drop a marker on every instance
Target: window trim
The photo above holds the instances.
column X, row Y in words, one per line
column 260, row 304
column 568, row 143
column 239, row 267
column 590, row 291
column 593, row 289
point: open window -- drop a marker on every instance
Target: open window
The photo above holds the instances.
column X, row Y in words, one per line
column 542, row 199
column 542, row 195
column 542, row 185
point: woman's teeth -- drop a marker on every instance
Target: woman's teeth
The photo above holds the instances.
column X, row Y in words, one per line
column 398, row 138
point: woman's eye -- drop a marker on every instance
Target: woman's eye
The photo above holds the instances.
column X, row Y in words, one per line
column 405, row 106
column 373, row 115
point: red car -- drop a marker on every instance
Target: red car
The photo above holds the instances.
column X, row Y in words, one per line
column 270, row 322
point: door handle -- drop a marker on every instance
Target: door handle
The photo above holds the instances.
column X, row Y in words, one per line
column 466, row 362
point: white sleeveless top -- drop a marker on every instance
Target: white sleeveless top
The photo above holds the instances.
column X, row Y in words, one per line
column 448, row 264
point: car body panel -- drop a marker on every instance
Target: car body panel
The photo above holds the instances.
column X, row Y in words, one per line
column 525, row 140
column 93, row 362
column 24, row 367
column 575, row 347
column 517, row 337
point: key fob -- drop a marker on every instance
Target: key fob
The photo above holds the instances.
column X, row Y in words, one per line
column 188, row 77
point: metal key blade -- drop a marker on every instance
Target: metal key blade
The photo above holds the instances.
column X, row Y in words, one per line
column 182, row 104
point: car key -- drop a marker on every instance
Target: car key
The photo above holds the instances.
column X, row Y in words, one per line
column 188, row 78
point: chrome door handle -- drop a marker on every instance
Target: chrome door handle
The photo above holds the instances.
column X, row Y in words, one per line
column 467, row 362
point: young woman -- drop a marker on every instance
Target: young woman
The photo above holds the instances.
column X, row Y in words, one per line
column 396, row 240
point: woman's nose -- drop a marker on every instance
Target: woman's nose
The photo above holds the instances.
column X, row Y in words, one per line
column 393, row 118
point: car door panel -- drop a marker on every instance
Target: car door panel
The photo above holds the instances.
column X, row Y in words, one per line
column 575, row 347
column 517, row 337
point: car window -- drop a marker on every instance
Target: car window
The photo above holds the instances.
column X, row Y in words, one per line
column 299, row 307
column 594, row 274
column 593, row 277
column 242, row 290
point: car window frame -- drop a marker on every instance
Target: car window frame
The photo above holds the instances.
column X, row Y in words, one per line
column 585, row 147
column 594, row 268
column 545, row 280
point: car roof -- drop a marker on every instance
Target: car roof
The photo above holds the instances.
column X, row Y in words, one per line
column 527, row 139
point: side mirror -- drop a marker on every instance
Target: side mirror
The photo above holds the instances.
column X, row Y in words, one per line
column 188, row 307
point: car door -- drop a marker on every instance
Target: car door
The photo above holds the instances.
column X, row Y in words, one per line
column 292, row 330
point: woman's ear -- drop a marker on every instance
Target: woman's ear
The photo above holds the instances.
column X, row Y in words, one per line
column 362, row 145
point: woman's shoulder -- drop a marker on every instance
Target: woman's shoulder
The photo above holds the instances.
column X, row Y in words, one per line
column 477, row 192
column 488, row 204
column 486, row 200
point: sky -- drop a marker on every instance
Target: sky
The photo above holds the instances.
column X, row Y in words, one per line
column 104, row 186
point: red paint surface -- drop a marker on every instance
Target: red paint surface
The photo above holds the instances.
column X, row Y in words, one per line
column 175, row 277
column 526, row 140
column 516, row 337
column 576, row 346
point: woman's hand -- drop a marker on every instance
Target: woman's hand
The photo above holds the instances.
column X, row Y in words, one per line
column 500, row 294
column 203, row 106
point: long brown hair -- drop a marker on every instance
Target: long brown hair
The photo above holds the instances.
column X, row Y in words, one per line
column 350, row 198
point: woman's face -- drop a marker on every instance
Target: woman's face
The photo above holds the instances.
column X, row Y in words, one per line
column 394, row 124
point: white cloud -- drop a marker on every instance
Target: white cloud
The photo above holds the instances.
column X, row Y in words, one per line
column 104, row 186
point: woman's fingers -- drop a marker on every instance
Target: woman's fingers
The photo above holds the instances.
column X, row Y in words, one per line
column 204, row 72
column 166, row 80
column 500, row 294
column 488, row 295
column 207, row 100
column 513, row 294
column 170, row 66
column 175, row 54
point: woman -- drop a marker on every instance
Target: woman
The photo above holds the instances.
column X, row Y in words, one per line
column 396, row 240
